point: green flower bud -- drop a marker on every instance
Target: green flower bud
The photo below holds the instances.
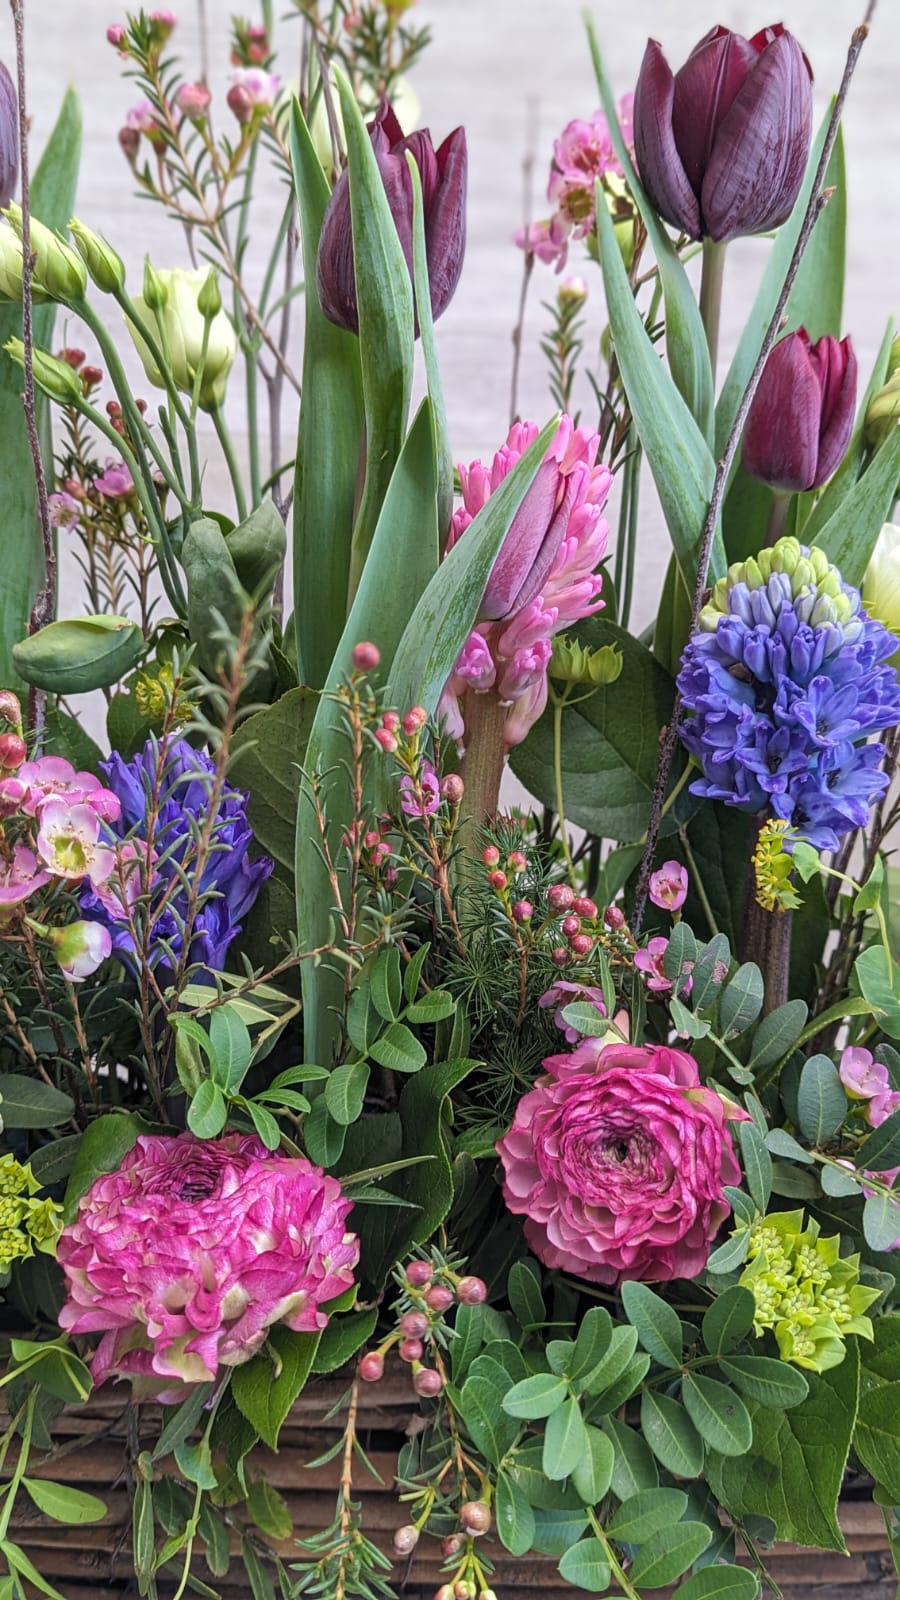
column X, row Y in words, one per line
column 180, row 327
column 106, row 267
column 884, row 407
column 881, row 584
column 43, row 1222
column 572, row 662
column 209, row 300
column 11, row 269
column 54, row 378
column 57, row 272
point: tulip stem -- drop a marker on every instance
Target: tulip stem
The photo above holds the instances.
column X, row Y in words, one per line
column 711, row 278
column 781, row 501
column 234, row 471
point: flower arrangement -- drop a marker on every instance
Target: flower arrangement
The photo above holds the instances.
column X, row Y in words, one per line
column 320, row 1053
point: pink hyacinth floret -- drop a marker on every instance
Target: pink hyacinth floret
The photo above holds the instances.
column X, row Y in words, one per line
column 543, row 580
column 618, row 1161
column 186, row 1256
column 583, row 153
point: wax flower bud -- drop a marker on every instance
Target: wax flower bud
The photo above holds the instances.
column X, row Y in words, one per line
column 175, row 322
column 193, row 101
column 800, row 419
column 366, row 656
column 80, row 948
column 106, row 267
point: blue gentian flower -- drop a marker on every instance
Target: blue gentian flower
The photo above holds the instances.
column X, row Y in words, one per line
column 783, row 684
column 230, row 881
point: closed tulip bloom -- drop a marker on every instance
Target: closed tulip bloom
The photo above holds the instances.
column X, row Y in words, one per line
column 9, row 137
column 443, row 173
column 801, row 416
column 722, row 144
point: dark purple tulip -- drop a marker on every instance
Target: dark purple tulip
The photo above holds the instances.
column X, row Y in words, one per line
column 802, row 413
column 9, row 137
column 443, row 174
column 722, row 146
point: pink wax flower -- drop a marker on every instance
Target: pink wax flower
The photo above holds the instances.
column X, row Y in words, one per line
column 20, row 877
column 583, row 153
column 562, row 994
column 193, row 1249
column 669, row 886
column 882, row 1106
column 650, row 962
column 116, row 483
column 618, row 1161
column 861, row 1075
column 421, row 798
column 80, row 948
column 68, row 843
column 544, row 578
column 116, row 35
column 253, row 88
column 120, row 891
column 142, row 119
column 64, row 509
column 193, row 101
column 53, row 778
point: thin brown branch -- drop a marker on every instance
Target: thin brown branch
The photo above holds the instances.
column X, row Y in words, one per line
column 817, row 200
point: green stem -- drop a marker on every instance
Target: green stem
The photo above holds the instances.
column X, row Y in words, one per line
column 20, row 1466
column 633, row 469
column 696, row 879
column 615, row 1566
column 234, row 471
column 252, row 387
column 711, row 296
column 559, row 703
column 781, row 501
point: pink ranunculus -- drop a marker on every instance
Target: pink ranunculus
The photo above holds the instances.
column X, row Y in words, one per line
column 185, row 1256
column 562, row 994
column 669, row 886
column 618, row 1162
column 861, row 1075
column 20, row 877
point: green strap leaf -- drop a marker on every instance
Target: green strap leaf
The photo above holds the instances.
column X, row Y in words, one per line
column 442, row 454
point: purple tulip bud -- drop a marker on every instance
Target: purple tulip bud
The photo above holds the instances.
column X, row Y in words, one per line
column 443, row 173
column 722, row 145
column 9, row 137
column 802, row 412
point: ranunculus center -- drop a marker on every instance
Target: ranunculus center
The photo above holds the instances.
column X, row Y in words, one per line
column 627, row 1151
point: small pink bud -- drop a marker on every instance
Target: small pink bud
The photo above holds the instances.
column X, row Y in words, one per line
column 560, row 897
column 116, row 35
column 91, row 378
column 10, row 709
column 418, row 1273
column 193, row 101
column 386, row 740
column 414, row 720
column 570, row 925
column 390, row 877
column 410, row 1350
column 405, row 1540
column 584, row 906
column 13, row 751
column 475, row 1517
column 614, row 918
column 517, row 862
column 371, row 839
column 451, row 1546
column 523, row 910
column 452, row 788
column 581, row 944
column 497, row 880
column 471, row 1291
column 490, row 855
column 413, row 1324
column 73, row 358
column 427, row 1382
column 130, row 143
column 560, row 956
column 241, row 103
column 371, row 1367
column 391, row 721
column 445, row 1592
column 366, row 656
column 439, row 1297
column 464, row 1589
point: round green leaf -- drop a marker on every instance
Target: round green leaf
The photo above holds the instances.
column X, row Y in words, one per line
column 586, row 1566
column 772, row 1383
column 720, row 1583
column 592, row 1475
column 718, row 1414
column 646, row 1513
column 565, row 1442
column 728, row 1320
column 671, row 1436
column 515, row 1518
column 658, row 1326
column 535, row 1397
column 207, row 1111
column 668, row 1554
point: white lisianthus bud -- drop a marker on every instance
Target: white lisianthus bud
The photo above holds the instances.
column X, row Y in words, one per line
column 179, row 326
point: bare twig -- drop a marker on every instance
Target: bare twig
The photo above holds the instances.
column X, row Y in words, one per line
column 817, row 200
column 44, row 605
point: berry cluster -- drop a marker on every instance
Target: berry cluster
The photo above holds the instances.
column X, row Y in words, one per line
column 428, row 1290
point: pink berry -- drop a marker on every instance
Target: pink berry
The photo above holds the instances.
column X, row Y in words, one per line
column 410, row 1350
column 405, row 1540
column 560, row 956
column 371, row 1367
column 614, row 918
column 386, row 740
column 391, row 721
column 523, row 910
column 475, row 1517
column 452, row 788
column 418, row 1273
column 439, row 1297
column 427, row 1382
column 13, row 751
column 471, row 1291
column 517, row 862
column 571, row 925
column 413, row 1324
column 490, row 855
column 497, row 879
column 415, row 719
column 584, row 905
column 581, row 944
column 366, row 656
column 560, row 897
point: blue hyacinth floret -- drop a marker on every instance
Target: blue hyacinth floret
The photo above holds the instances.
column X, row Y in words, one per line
column 230, row 881
column 783, row 684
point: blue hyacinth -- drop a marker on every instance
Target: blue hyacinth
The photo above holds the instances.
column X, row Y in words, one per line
column 230, row 881
column 783, row 684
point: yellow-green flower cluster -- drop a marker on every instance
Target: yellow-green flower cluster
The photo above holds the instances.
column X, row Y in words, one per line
column 26, row 1223
column 573, row 662
column 805, row 1292
column 810, row 575
column 773, row 866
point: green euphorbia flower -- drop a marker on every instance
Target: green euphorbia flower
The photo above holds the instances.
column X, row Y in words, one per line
column 805, row 1291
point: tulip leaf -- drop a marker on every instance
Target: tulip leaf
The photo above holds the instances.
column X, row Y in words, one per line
column 442, row 455
column 803, row 298
column 447, row 610
column 680, row 459
column 21, row 555
column 328, row 441
column 384, row 299
column 686, row 343
column 405, row 542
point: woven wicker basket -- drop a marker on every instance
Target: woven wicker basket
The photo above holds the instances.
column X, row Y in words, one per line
column 94, row 1563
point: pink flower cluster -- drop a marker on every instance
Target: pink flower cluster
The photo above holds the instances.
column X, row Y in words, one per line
column 562, row 994
column 544, row 579
column 193, row 1249
column 582, row 154
column 864, row 1078
column 618, row 1161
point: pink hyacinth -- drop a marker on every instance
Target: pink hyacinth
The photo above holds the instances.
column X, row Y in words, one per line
column 618, row 1161
column 20, row 877
column 562, row 994
column 116, row 483
column 669, row 886
column 861, row 1075
column 583, row 153
column 421, row 797
column 544, row 578
column 186, row 1255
